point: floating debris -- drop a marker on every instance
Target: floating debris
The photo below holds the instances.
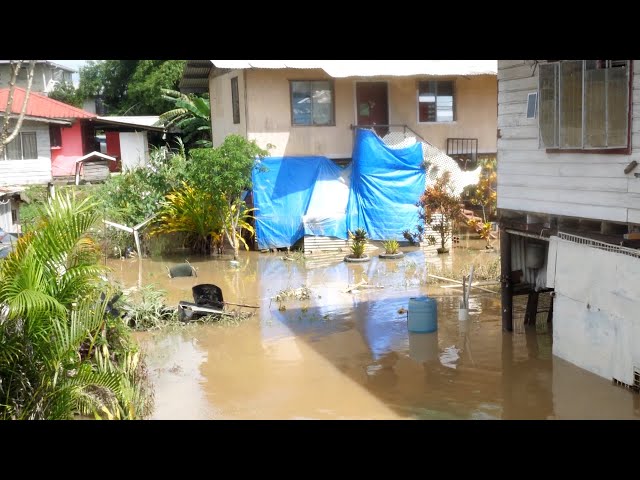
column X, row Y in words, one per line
column 182, row 270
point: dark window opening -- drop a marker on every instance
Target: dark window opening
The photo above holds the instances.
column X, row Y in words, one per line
column 235, row 100
column 55, row 135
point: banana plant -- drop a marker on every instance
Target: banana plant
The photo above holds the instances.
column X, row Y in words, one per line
column 192, row 115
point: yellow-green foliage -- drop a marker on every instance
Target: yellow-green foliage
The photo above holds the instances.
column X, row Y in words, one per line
column 191, row 211
column 359, row 239
column 391, row 246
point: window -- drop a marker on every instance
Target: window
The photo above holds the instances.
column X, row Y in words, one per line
column 55, row 135
column 14, row 216
column 23, row 147
column 312, row 102
column 584, row 104
column 235, row 100
column 532, row 104
column 436, row 101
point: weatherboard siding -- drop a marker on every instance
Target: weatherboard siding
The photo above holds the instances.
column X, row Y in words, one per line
column 580, row 185
column 24, row 172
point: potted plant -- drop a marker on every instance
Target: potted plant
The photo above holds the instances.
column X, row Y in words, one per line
column 391, row 249
column 440, row 208
column 359, row 240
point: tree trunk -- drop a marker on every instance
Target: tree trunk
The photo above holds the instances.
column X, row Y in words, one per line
column 5, row 138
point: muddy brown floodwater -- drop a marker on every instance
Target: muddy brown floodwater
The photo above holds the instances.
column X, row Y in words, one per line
column 344, row 355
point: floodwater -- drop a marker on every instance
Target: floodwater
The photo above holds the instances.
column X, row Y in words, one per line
column 349, row 355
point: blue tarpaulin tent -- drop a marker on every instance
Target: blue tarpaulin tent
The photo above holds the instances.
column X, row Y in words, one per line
column 386, row 183
column 297, row 196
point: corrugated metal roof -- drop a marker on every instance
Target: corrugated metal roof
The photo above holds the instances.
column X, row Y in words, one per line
column 46, row 62
column 134, row 120
column 40, row 105
column 195, row 76
column 371, row 68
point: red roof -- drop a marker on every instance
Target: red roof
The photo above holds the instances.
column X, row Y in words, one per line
column 40, row 105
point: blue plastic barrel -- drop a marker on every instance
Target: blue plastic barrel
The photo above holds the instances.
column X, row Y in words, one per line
column 423, row 315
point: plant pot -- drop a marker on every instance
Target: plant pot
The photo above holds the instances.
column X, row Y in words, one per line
column 351, row 259
column 443, row 250
column 392, row 255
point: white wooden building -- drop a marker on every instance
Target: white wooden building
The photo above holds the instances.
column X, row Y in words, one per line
column 568, row 137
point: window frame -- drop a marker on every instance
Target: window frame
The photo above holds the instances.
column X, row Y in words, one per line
column 55, row 136
column 235, row 100
column 453, row 107
column 20, row 136
column 333, row 102
column 596, row 150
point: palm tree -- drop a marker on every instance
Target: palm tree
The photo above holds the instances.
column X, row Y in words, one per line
column 54, row 332
column 192, row 115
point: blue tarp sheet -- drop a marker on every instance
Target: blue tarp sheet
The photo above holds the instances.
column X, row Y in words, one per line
column 281, row 193
column 297, row 196
column 386, row 183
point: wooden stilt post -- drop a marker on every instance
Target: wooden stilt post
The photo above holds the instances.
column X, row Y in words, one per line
column 507, row 376
column 550, row 314
column 531, row 337
column 505, row 281
column 532, row 308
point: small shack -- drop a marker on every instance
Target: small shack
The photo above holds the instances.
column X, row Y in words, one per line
column 10, row 200
column 93, row 167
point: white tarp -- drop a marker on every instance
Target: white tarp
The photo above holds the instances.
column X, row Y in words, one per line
column 327, row 208
column 370, row 68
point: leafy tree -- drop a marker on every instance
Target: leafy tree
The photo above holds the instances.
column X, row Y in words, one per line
column 130, row 87
column 440, row 208
column 108, row 79
column 191, row 114
column 150, row 78
column 67, row 93
column 7, row 132
column 226, row 171
column 484, row 194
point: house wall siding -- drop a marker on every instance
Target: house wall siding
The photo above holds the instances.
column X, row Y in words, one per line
column 591, row 186
column 268, row 97
column 269, row 113
column 134, row 148
column 40, row 77
column 596, row 325
column 475, row 108
column 63, row 159
column 37, row 171
column 222, row 109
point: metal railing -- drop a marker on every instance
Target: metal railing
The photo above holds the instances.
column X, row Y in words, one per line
column 589, row 242
column 464, row 151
